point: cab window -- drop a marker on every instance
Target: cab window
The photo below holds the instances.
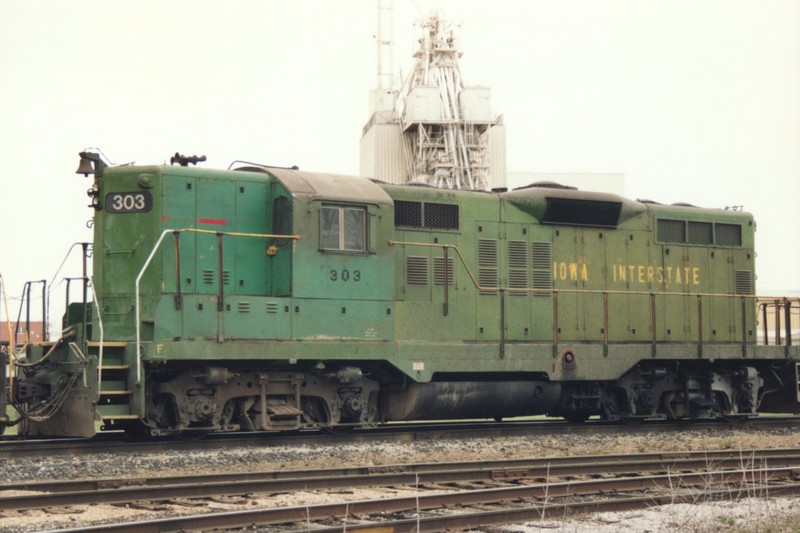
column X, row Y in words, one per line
column 343, row 228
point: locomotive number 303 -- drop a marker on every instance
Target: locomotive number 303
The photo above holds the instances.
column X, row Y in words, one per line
column 345, row 275
column 129, row 202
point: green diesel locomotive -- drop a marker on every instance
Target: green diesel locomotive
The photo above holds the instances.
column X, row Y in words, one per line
column 263, row 298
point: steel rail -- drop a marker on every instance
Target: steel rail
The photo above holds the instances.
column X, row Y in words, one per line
column 129, row 490
column 543, row 491
column 495, row 470
column 528, row 512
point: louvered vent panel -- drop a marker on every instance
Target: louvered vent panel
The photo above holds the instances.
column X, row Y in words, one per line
column 541, row 255
column 518, row 279
column 541, row 263
column 487, row 264
column 744, row 282
column 226, row 277
column 518, row 254
column 208, row 276
column 272, row 307
column 244, row 307
column 438, row 271
column 417, row 270
column 487, row 253
column 487, row 277
column 518, row 266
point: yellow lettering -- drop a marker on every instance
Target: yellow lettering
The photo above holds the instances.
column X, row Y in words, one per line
column 669, row 275
column 650, row 274
column 632, row 269
column 562, row 270
column 573, row 271
column 686, row 275
column 678, row 277
column 640, row 271
column 696, row 275
column 584, row 273
column 623, row 273
column 660, row 271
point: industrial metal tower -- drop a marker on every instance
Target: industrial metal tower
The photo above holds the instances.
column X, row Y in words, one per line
column 433, row 129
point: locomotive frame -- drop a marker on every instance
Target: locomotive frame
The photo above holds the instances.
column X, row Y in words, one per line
column 264, row 298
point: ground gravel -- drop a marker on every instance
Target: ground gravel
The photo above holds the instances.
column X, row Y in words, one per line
column 719, row 516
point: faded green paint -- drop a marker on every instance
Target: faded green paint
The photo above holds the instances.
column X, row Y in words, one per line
column 285, row 301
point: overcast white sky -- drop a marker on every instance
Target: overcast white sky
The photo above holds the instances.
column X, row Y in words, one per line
column 695, row 101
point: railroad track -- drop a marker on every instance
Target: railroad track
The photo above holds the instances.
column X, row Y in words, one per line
column 523, row 490
column 117, row 441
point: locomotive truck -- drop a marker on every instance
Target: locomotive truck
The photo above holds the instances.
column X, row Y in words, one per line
column 263, row 298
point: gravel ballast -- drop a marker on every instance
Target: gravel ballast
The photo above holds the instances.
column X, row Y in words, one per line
column 712, row 517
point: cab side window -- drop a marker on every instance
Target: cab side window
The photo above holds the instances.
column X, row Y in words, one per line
column 343, row 228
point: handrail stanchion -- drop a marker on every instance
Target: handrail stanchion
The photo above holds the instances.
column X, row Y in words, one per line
column 605, row 324
column 787, row 310
column 699, row 326
column 653, row 324
column 744, row 326
column 555, row 322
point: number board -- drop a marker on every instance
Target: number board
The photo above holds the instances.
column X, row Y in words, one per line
column 129, row 202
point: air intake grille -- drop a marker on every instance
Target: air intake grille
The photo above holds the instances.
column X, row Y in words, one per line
column 518, row 266
column 671, row 230
column 408, row 214
column 574, row 212
column 487, row 264
column 417, row 270
column 541, row 263
column 438, row 271
column 701, row 233
column 444, row 216
column 428, row 215
column 729, row 234
column 744, row 282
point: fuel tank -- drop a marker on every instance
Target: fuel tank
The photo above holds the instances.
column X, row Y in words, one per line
column 457, row 400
